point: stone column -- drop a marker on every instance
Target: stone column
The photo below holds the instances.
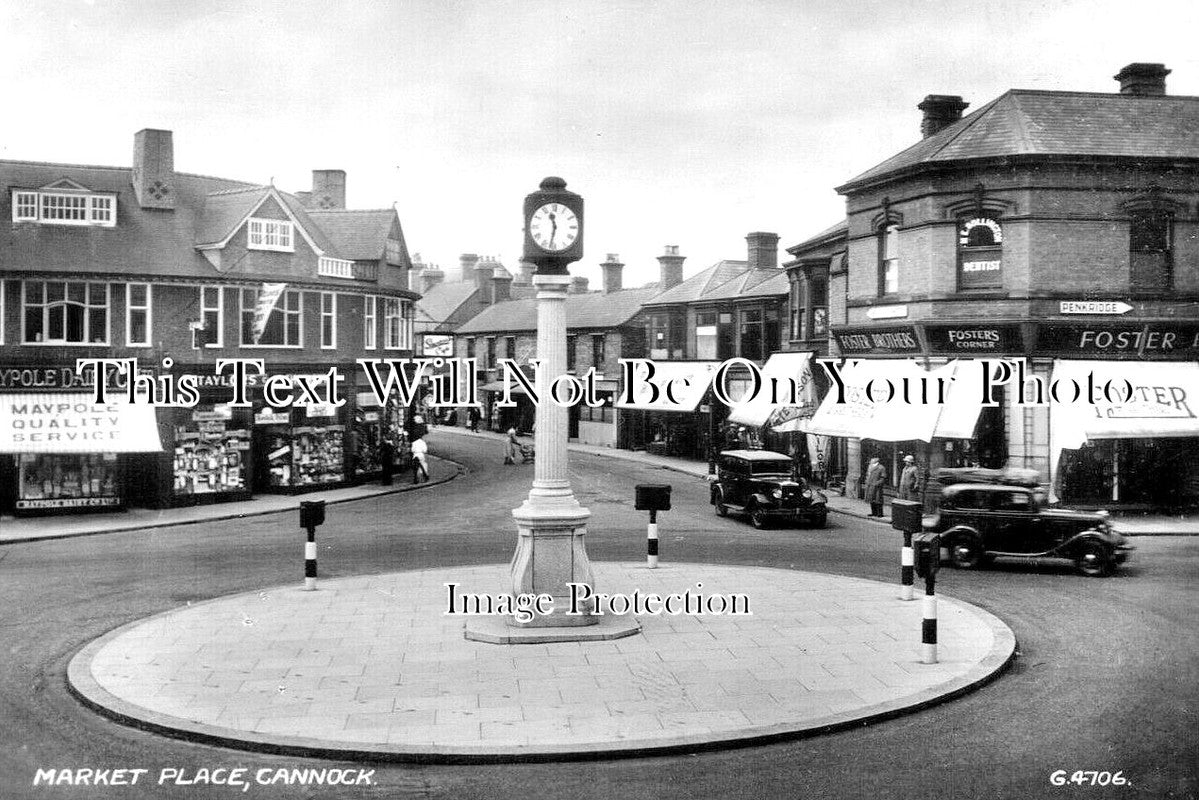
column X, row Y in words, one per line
column 853, row 468
column 551, row 524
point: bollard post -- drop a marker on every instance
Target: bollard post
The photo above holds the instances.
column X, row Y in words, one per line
column 906, row 517
column 652, row 497
column 651, row 541
column 928, row 561
column 312, row 514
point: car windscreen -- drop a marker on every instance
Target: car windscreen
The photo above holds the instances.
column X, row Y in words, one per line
column 770, row 467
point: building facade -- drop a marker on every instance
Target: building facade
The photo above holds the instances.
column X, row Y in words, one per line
column 1061, row 228
column 179, row 271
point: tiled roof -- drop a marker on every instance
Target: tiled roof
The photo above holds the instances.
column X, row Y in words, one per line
column 833, row 232
column 443, row 299
column 223, row 210
column 589, row 310
column 358, row 235
column 1024, row 122
column 751, row 283
column 698, row 285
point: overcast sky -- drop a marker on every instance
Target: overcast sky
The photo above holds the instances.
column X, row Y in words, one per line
column 688, row 122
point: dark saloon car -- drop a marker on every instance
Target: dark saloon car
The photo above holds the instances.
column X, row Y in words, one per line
column 981, row 521
column 763, row 486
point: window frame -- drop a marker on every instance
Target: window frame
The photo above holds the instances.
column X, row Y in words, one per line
column 98, row 209
column 148, row 309
column 329, row 315
column 599, row 351
column 388, row 304
column 219, row 309
column 963, row 249
column 572, row 346
column 1139, row 220
column 260, row 227
column 284, row 310
column 370, row 323
column 888, row 259
column 46, row 304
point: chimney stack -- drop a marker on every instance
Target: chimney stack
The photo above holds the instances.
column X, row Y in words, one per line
column 671, row 267
column 525, row 278
column 484, row 270
column 1143, row 79
column 466, row 265
column 613, row 273
column 763, row 250
column 430, row 276
column 578, row 285
column 501, row 284
column 940, row 111
column 154, row 168
column 328, row 188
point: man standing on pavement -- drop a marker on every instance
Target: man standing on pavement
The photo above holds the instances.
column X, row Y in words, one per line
column 420, row 467
column 909, row 479
column 875, row 476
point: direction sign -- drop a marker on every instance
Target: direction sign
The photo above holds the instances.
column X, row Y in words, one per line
column 1093, row 307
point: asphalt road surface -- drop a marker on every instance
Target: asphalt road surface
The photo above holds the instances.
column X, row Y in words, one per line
column 1107, row 676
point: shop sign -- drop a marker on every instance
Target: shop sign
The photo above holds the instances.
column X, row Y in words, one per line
column 272, row 418
column 320, row 410
column 367, row 400
column 1120, row 340
column 220, row 412
column 277, row 454
column 887, row 312
column 971, row 339
column 1093, row 307
column 894, row 339
column 370, row 416
column 434, row 345
column 69, row 502
column 53, row 378
column 212, row 426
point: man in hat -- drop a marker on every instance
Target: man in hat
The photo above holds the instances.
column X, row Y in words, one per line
column 909, row 479
column 876, row 475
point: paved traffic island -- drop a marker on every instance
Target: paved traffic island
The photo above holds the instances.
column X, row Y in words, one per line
column 373, row 667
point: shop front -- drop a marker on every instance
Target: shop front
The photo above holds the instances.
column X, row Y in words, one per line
column 673, row 413
column 61, row 452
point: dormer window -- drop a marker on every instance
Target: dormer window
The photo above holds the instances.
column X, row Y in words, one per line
column 65, row 208
column 271, row 234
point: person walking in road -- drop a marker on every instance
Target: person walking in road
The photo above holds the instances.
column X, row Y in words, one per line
column 909, row 479
column 875, row 477
column 511, row 447
column 420, row 463
column 472, row 418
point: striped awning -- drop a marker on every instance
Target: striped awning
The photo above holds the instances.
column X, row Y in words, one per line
column 72, row 423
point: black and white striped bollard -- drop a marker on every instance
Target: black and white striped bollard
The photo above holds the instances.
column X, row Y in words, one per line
column 651, row 541
column 312, row 514
column 652, row 497
column 907, row 518
column 907, row 567
column 928, row 622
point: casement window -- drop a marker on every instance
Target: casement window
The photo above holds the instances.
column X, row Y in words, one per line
column 705, row 335
column 489, row 361
column 817, row 315
column 572, row 345
column 1149, row 242
column 598, row 346
column 659, row 330
column 980, row 253
column 137, row 314
column 370, row 310
column 328, row 321
column 751, row 334
column 212, row 314
column 510, row 347
column 393, row 324
column 271, row 234
column 888, row 260
column 65, row 312
column 65, row 208
column 284, row 325
column 470, row 347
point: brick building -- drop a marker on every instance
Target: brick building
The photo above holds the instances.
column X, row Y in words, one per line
column 1061, row 227
column 179, row 270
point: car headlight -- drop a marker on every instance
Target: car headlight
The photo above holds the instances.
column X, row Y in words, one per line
column 777, row 494
column 807, row 493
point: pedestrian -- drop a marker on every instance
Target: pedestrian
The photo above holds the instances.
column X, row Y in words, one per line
column 875, row 477
column 472, row 417
column 909, row 479
column 387, row 456
column 511, row 447
column 420, row 465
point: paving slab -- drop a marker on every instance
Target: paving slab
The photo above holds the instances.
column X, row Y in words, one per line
column 276, row 669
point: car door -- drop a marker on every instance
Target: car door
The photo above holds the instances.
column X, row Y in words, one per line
column 1015, row 525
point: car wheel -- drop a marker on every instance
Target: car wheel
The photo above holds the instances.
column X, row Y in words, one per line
column 717, row 500
column 1093, row 559
column 966, row 552
column 757, row 517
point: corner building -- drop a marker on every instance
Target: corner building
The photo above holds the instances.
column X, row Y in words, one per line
column 181, row 270
column 1061, row 227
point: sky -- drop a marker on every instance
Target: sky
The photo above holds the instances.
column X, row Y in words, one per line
column 680, row 122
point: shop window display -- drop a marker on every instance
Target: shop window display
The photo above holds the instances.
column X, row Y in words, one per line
column 68, row 481
column 211, row 449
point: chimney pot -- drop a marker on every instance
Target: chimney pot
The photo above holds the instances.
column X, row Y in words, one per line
column 578, row 284
column 466, row 263
column 154, row 168
column 430, row 277
column 328, row 189
column 670, row 267
column 940, row 111
column 1143, row 79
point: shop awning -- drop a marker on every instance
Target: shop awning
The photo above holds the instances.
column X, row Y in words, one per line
column 71, row 423
column 785, row 370
column 1164, row 402
column 894, row 421
column 687, row 382
column 959, row 414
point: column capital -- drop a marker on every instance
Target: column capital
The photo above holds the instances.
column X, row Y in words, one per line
column 550, row 283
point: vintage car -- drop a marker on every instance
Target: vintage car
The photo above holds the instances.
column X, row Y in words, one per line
column 763, row 486
column 979, row 521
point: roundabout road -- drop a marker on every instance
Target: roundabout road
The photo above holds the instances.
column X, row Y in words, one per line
column 1106, row 678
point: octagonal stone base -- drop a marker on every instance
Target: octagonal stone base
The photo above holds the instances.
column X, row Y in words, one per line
column 496, row 630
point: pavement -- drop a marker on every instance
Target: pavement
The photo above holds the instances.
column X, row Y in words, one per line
column 372, row 667
column 24, row 529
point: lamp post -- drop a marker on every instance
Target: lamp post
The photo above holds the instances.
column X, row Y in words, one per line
column 550, row 551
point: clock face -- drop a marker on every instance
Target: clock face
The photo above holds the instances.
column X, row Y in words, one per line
column 554, row 227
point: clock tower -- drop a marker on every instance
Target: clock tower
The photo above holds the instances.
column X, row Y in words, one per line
column 553, row 220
